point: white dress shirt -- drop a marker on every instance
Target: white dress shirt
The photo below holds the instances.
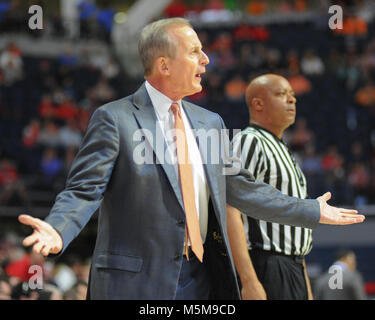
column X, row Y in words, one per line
column 165, row 117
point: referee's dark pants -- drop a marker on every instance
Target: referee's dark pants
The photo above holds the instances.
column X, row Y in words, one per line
column 282, row 276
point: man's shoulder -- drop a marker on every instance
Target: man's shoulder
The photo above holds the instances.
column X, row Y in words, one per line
column 249, row 133
column 116, row 104
column 116, row 108
column 252, row 131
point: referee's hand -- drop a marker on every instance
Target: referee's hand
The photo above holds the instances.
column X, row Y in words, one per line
column 45, row 239
column 337, row 216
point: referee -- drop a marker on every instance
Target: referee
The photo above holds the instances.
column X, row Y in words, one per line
column 269, row 257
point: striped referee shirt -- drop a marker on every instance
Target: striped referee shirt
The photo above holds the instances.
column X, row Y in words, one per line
column 269, row 160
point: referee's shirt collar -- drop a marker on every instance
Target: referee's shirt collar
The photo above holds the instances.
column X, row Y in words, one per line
column 261, row 128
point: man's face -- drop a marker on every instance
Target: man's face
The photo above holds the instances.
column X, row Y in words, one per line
column 279, row 103
column 189, row 63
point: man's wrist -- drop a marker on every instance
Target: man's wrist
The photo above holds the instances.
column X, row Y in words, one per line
column 251, row 281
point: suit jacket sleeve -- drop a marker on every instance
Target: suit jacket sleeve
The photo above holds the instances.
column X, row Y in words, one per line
column 88, row 177
column 262, row 201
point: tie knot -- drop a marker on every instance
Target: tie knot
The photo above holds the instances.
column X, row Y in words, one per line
column 175, row 108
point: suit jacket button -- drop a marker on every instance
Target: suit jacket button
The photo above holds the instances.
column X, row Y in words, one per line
column 177, row 256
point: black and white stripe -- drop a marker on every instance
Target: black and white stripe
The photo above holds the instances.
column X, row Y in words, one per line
column 269, row 160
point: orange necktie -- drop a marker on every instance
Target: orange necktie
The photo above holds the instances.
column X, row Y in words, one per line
column 187, row 186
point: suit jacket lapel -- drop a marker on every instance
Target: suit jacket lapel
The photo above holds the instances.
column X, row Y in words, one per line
column 147, row 120
column 210, row 167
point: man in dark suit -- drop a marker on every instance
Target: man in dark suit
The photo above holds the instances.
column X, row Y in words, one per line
column 147, row 245
column 342, row 281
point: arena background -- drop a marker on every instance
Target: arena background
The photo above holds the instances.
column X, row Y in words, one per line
column 52, row 79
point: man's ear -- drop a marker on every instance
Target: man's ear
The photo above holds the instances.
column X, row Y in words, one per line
column 162, row 64
column 257, row 104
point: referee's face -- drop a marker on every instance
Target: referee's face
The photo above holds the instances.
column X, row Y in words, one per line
column 280, row 103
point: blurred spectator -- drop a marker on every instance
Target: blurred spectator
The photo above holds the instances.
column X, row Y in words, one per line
column 5, row 288
column 344, row 282
column 256, row 7
column 45, row 77
column 98, row 59
column 87, row 13
column 111, row 70
column 235, row 88
column 22, row 291
column 103, row 92
column 367, row 60
column 300, row 84
column 215, row 5
column 332, row 160
column 225, row 60
column 30, row 134
column 10, row 184
column 311, row 162
column 15, row 17
column 336, row 62
column 66, row 273
column 311, row 64
column 301, row 136
column 20, row 263
column 273, row 60
column 356, row 153
column 77, row 292
column 66, row 110
column 105, row 20
column 50, row 292
column 365, row 96
column 11, row 64
column 352, row 26
column 284, row 6
column 84, row 271
column 49, row 135
column 70, row 136
column 222, row 41
column 68, row 58
column 300, row 5
column 351, row 72
column 195, row 6
column 177, row 8
column 293, row 63
column 312, row 167
column 51, row 165
column 246, row 32
column 359, row 179
column 4, row 7
column 257, row 57
column 47, row 109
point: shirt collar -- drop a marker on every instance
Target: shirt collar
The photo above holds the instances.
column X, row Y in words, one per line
column 341, row 264
column 160, row 101
column 264, row 129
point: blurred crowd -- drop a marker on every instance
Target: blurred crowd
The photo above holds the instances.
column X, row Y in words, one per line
column 25, row 275
column 95, row 21
column 45, row 106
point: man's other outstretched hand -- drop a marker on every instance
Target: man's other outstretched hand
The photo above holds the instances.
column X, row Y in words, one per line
column 337, row 216
column 45, row 239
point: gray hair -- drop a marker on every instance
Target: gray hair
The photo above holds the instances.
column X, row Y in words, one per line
column 155, row 41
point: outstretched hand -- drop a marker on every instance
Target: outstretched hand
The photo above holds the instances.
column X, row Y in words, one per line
column 337, row 216
column 45, row 239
